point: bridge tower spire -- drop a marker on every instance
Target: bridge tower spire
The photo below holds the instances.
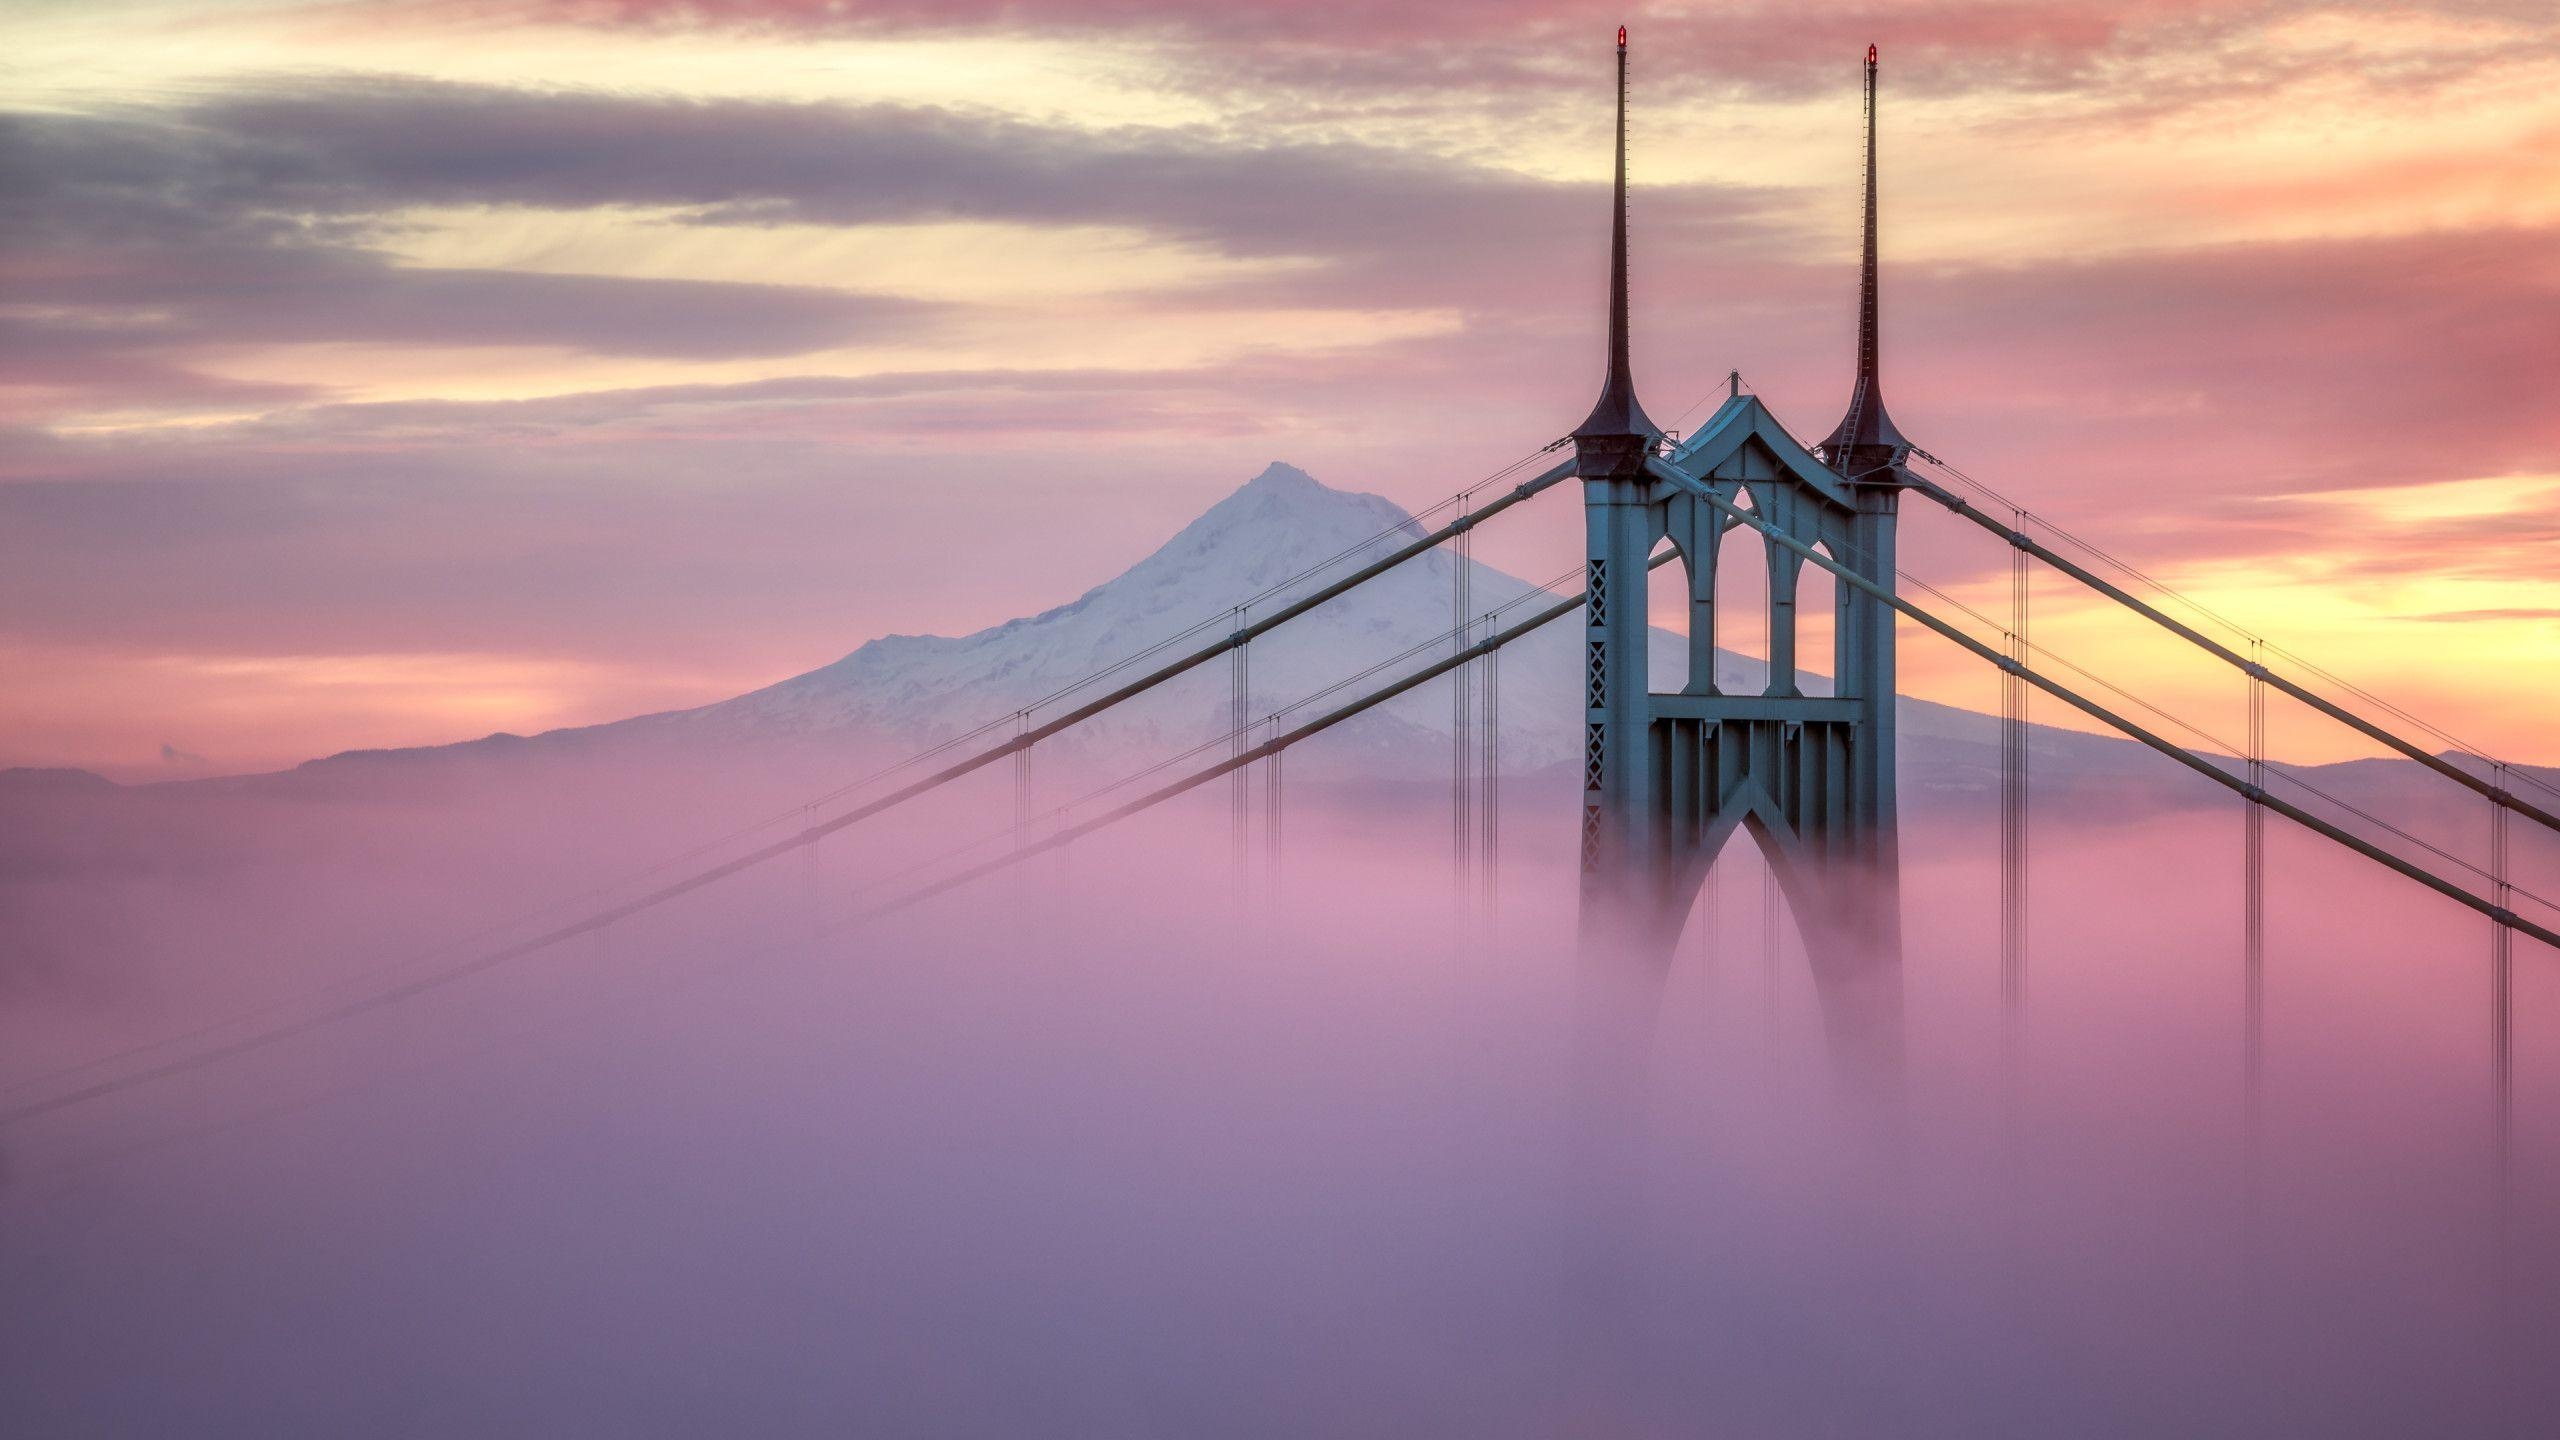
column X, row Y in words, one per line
column 1616, row 436
column 1866, row 439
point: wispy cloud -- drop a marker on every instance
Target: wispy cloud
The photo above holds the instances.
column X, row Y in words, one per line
column 1320, row 54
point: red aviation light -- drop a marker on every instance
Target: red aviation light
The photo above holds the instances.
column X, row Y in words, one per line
column 1622, row 37
column 1871, row 50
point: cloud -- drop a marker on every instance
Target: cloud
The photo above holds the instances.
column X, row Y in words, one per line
column 2154, row 399
column 2146, row 56
column 2217, row 374
column 150, row 238
column 304, row 296
column 138, row 244
column 2526, row 612
column 355, row 149
column 2485, row 548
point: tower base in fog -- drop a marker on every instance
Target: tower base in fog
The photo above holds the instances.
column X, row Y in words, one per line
column 1850, row 919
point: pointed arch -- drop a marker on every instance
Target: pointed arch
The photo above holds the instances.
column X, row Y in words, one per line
column 1743, row 851
column 1821, row 599
column 1667, row 592
column 1742, row 606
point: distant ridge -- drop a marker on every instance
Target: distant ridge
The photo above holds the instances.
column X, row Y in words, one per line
column 33, row 778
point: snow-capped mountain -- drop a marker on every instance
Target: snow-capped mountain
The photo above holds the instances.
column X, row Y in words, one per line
column 1280, row 537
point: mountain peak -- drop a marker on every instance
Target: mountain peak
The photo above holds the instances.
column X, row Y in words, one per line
column 1281, row 475
column 1275, row 524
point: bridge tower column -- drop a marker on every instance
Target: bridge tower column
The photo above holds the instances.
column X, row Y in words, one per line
column 1866, row 982
column 1621, row 518
column 1618, row 839
column 1867, row 451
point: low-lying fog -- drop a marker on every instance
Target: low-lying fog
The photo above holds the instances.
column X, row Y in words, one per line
column 1103, row 1146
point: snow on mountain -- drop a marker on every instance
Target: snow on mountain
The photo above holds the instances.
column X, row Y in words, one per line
column 1282, row 524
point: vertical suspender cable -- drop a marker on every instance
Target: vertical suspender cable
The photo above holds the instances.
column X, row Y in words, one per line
column 1021, row 780
column 2026, row 765
column 1022, row 777
column 2253, row 881
column 1461, row 830
column 2008, row 839
column 2502, row 1057
column 2013, row 805
column 1489, row 818
column 1239, row 709
column 1271, row 814
column 2253, row 977
column 2024, row 606
column 2013, row 828
column 1769, row 944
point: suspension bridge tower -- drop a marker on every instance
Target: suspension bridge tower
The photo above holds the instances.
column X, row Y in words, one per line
column 1668, row 778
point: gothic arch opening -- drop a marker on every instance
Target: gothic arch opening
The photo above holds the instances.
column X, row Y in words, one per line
column 1818, row 605
column 1742, row 610
column 1666, row 594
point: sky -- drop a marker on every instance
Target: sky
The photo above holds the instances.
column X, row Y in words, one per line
column 392, row 373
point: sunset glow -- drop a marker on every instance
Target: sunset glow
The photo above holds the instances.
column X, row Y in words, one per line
column 391, row 373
